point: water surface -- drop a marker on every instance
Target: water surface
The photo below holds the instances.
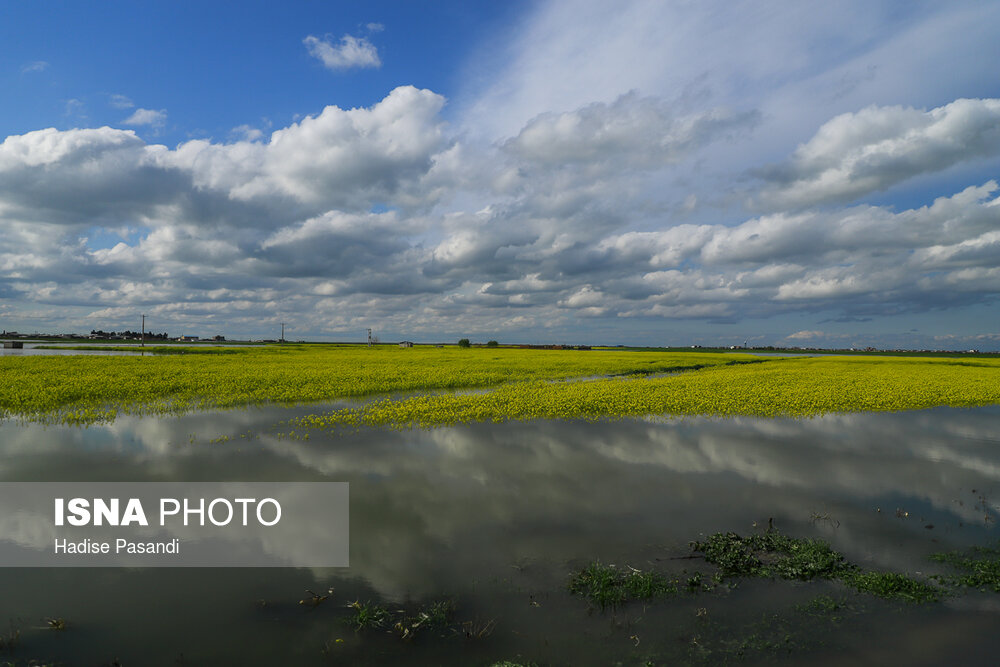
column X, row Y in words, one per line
column 497, row 516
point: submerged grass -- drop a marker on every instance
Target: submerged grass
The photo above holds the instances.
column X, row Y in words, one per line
column 609, row 586
column 782, row 387
column 977, row 568
column 775, row 555
column 771, row 555
column 767, row 555
column 367, row 615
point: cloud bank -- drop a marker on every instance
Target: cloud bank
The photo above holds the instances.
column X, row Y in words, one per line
column 562, row 202
column 342, row 219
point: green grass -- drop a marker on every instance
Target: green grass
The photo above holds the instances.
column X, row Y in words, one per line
column 892, row 585
column 977, row 568
column 773, row 554
column 608, row 586
column 777, row 387
column 516, row 384
column 86, row 389
column 767, row 555
column 367, row 616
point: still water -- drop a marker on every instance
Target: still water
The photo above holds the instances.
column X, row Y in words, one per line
column 495, row 518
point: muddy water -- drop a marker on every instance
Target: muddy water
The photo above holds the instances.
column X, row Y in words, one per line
column 496, row 517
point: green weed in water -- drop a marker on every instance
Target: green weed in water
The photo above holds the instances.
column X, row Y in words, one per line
column 609, row 586
column 435, row 616
column 892, row 585
column 775, row 555
column 771, row 554
column 979, row 568
column 367, row 615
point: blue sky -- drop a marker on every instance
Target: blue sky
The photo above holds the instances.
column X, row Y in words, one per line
column 663, row 173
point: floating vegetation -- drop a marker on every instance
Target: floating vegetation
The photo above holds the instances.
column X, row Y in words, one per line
column 774, row 388
column 823, row 605
column 892, row 585
column 770, row 637
column 367, row 615
column 436, row 616
column 773, row 554
column 479, row 629
column 978, row 568
column 56, row 623
column 764, row 555
column 407, row 624
column 609, row 586
column 316, row 599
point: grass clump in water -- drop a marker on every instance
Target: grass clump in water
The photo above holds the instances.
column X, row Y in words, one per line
column 822, row 605
column 979, row 568
column 437, row 615
column 609, row 586
column 771, row 555
column 407, row 623
column 892, row 585
column 367, row 615
column 775, row 555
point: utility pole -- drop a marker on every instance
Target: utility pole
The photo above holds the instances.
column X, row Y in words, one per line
column 282, row 332
column 143, row 331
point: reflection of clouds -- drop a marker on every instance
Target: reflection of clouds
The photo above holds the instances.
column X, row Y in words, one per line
column 432, row 510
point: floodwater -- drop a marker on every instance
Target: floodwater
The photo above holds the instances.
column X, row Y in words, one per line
column 496, row 517
column 45, row 348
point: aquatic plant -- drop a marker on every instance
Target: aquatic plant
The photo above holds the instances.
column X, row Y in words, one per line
column 892, row 585
column 435, row 616
column 763, row 555
column 771, row 554
column 978, row 568
column 609, row 586
column 367, row 615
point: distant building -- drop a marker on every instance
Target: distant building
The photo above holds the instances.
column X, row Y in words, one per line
column 188, row 338
column 406, row 343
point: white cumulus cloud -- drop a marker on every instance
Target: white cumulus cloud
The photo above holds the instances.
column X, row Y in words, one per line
column 151, row 117
column 349, row 52
column 856, row 154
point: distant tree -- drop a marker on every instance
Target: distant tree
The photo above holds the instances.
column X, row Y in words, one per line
column 464, row 342
column 492, row 343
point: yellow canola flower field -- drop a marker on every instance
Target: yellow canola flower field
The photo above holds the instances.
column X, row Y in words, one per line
column 776, row 387
column 87, row 389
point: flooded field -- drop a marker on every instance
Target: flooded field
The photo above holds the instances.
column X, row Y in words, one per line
column 483, row 525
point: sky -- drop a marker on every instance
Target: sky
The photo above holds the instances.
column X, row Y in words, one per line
column 641, row 172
